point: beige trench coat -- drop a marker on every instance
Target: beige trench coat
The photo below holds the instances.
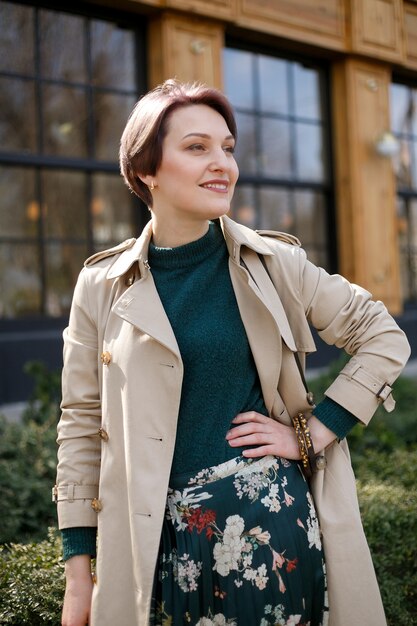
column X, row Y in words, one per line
column 121, row 392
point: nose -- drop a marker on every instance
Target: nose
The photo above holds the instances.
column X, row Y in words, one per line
column 221, row 161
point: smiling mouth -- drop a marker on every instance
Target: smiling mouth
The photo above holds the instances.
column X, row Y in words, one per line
column 216, row 186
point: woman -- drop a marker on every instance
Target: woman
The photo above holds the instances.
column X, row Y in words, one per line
column 179, row 386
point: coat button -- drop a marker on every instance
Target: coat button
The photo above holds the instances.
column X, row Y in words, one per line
column 103, row 434
column 105, row 358
column 96, row 505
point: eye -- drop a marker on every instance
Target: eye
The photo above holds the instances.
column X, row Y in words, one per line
column 195, row 147
column 229, row 149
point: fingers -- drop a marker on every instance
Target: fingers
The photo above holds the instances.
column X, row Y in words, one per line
column 251, row 416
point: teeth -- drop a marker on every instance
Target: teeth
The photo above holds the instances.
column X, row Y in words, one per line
column 215, row 186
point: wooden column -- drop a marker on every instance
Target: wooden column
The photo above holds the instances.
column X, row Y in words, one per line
column 188, row 48
column 365, row 184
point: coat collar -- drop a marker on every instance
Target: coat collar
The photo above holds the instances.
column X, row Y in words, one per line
column 235, row 235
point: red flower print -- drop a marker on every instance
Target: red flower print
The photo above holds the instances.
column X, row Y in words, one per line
column 291, row 565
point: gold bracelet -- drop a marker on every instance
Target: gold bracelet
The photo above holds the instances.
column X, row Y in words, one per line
column 302, row 446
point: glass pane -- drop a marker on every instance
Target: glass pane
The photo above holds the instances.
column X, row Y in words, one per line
column 273, row 85
column 306, row 92
column 111, row 209
column 246, row 156
column 113, row 55
column 402, row 164
column 310, row 218
column 65, row 121
column 16, row 26
column 65, row 204
column 413, row 146
column 238, row 78
column 275, row 209
column 275, row 156
column 19, row 214
column 63, row 264
column 62, row 46
column 17, row 115
column 111, row 113
column 310, row 157
column 412, row 112
column 243, row 206
column 20, row 284
column 401, row 108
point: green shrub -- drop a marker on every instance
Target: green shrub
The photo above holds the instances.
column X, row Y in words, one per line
column 28, row 463
column 388, row 500
column 32, row 583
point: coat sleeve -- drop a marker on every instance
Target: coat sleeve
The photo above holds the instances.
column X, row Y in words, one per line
column 345, row 315
column 78, row 429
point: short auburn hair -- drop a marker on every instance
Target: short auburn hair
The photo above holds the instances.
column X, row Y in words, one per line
column 147, row 126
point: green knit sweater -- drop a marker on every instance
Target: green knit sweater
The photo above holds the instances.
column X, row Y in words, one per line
column 220, row 377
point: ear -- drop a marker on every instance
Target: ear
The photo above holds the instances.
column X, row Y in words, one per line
column 146, row 179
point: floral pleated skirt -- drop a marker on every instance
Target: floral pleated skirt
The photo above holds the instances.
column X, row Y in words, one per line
column 241, row 546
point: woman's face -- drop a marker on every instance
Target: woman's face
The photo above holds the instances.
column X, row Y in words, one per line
column 198, row 172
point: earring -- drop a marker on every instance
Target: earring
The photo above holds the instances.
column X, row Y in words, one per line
column 152, row 186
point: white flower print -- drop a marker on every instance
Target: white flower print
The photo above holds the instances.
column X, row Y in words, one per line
column 179, row 500
column 186, row 571
column 228, row 553
column 218, row 620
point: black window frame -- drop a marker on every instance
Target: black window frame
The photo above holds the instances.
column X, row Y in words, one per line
column 40, row 162
column 326, row 188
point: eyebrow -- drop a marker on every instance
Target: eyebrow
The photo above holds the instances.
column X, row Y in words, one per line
column 204, row 136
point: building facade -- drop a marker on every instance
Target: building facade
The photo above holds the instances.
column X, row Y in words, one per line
column 325, row 94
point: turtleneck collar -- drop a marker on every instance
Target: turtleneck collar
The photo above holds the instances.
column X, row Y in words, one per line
column 189, row 254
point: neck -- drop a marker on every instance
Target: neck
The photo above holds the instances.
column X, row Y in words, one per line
column 172, row 235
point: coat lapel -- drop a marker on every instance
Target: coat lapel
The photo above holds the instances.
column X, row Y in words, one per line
column 140, row 304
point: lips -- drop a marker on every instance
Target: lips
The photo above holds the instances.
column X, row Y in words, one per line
column 216, row 185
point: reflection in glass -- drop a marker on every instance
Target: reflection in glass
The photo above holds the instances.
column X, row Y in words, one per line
column 62, row 46
column 275, row 209
column 65, row 121
column 310, row 157
column 273, row 85
column 243, row 208
column 19, row 212
column 111, row 113
column 63, row 264
column 111, row 209
column 113, row 55
column 306, row 92
column 65, row 207
column 402, row 164
column 310, row 218
column 275, row 148
column 17, row 115
column 413, row 164
column 16, row 23
column 401, row 103
column 20, row 284
column 238, row 79
column 245, row 154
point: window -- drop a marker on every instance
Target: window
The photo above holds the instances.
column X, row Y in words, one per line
column 65, row 96
column 282, row 152
column 404, row 126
